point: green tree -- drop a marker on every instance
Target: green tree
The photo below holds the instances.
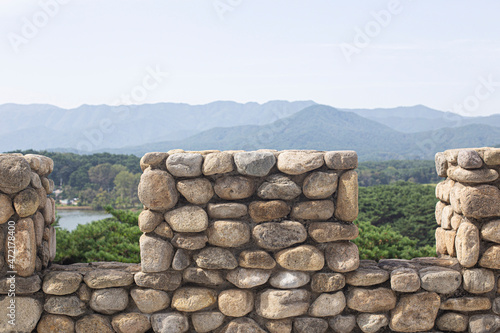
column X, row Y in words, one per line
column 126, row 184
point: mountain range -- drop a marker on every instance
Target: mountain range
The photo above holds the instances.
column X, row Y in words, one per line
column 416, row 132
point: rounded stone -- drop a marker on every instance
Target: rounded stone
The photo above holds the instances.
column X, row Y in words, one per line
column 228, row 233
column 242, row 325
column 61, row 283
column 55, row 323
column 342, row 257
column 197, row 191
column 131, row 323
column 164, row 230
column 28, row 311
column 26, row 202
column 193, row 299
column 491, row 258
column 244, row 278
column 347, row 197
column 469, row 159
column 215, row 258
column 217, row 163
column 149, row 220
column 289, row 279
column 484, row 323
column 440, row 279
column 313, row 210
column 203, row 276
column 278, row 187
column 187, row 219
column 367, row 276
column 405, row 280
column 327, row 282
column 234, row 187
column 185, row 164
column 343, row 324
column 155, row 160
column 256, row 259
column 320, row 185
column 323, row 232
column 205, row 322
column 65, row 305
column 108, row 278
column 467, row 244
column 371, row 300
column 490, row 231
column 227, row 210
column 478, row 280
column 299, row 162
column 476, row 176
column 6, row 208
column 341, row 160
column 441, row 164
column 15, row 174
column 280, row 304
column 236, row 302
column 181, row 260
column 279, row 235
column 452, row 322
column 157, row 190
column 262, row 211
column 150, row 300
column 279, row 326
column 301, row 258
column 371, row 322
column 171, row 322
column 466, row 304
column 416, row 312
column 94, row 323
column 109, row 301
column 25, row 244
column 327, row 305
column 156, row 254
column 166, row 281
column 310, row 325
column 189, row 241
column 254, row 163
column 480, row 201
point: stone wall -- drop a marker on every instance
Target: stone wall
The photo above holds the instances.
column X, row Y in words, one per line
column 260, row 242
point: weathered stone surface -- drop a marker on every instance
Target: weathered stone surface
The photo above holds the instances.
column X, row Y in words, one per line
column 490, row 231
column 181, row 260
column 327, row 282
column 6, row 208
column 310, row 325
column 94, row 323
column 203, row 277
column 197, row 191
column 131, row 323
column 27, row 313
column 415, row 312
column 84, row 292
column 343, row 324
column 478, row 280
column 485, row 323
column 439, row 211
column 150, row 300
column 157, row 190
column 342, row 256
column 155, row 160
column 156, row 254
column 166, row 281
column 109, row 301
column 193, row 299
column 164, row 230
column 405, row 280
column 278, row 235
column 299, row 162
column 320, row 185
column 371, row 323
column 301, row 258
column 25, row 247
column 491, row 258
column 279, row 304
column 39, row 225
column 256, row 259
column 341, row 160
column 185, row 164
column 215, row 258
column 496, row 305
column 279, row 326
column 371, row 300
column 455, row 198
column 254, row 163
column 327, row 305
column 313, row 210
column 289, row 279
column 229, row 210
column 454, row 322
column 236, row 302
column 242, row 325
column 187, row 219
column 26, row 202
column 492, row 156
column 190, row 241
column 217, row 163
column 49, row 211
column 440, row 236
column 323, row 232
column 149, row 220
column 248, row 278
column 367, row 276
column 466, row 304
column 443, row 190
column 23, row 285
column 108, row 278
column 204, row 322
column 234, row 187
column 171, row 322
column 441, row 164
column 447, row 214
column 228, row 233
column 469, row 159
column 467, row 244
column 54, row 323
column 262, row 211
column 347, row 197
column 476, row 176
column 449, row 241
column 440, row 279
column 278, row 187
column 65, row 305
column 480, row 202
column 15, row 174
column 61, row 283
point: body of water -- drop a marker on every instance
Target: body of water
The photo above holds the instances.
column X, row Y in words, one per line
column 71, row 218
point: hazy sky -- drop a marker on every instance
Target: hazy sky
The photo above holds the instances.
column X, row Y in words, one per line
column 444, row 54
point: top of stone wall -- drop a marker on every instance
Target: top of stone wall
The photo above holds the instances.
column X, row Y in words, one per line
column 452, row 162
column 16, row 171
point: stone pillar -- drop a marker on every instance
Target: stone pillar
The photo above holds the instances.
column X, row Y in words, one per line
column 27, row 237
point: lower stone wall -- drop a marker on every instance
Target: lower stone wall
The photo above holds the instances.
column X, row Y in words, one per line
column 423, row 294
